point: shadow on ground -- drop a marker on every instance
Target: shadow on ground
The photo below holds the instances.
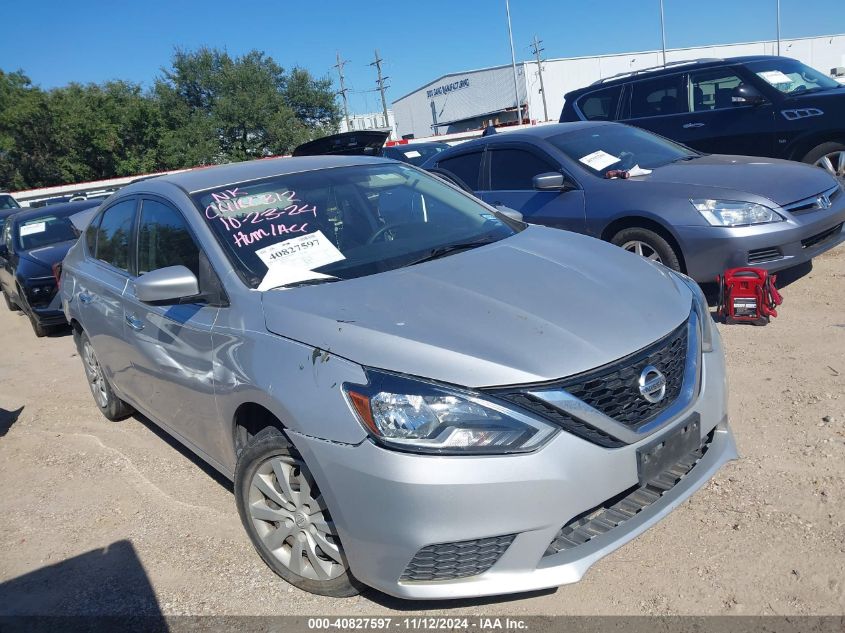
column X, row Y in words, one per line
column 7, row 419
column 88, row 592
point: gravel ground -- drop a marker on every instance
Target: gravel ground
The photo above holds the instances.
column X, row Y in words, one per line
column 114, row 518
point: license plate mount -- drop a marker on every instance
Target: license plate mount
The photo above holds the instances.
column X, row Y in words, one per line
column 660, row 454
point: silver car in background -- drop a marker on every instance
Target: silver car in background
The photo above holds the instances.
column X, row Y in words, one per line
column 410, row 390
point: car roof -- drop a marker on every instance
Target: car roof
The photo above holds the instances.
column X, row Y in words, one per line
column 528, row 134
column 64, row 209
column 204, row 178
column 671, row 68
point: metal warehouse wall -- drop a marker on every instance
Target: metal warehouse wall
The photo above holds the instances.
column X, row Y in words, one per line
column 455, row 97
column 491, row 89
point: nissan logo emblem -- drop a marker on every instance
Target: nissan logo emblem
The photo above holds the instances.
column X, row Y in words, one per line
column 652, row 384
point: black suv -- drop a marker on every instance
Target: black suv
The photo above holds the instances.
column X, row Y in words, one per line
column 756, row 106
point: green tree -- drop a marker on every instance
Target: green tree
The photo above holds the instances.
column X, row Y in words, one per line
column 217, row 108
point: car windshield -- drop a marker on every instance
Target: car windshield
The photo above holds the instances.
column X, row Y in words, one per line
column 792, row 77
column 8, row 202
column 602, row 148
column 343, row 222
column 45, row 230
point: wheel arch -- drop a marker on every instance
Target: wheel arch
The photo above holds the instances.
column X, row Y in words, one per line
column 642, row 222
column 249, row 419
column 801, row 146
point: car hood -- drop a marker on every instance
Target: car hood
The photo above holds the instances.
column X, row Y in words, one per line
column 540, row 305
column 46, row 256
column 780, row 181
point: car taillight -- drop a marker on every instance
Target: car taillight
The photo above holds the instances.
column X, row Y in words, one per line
column 57, row 273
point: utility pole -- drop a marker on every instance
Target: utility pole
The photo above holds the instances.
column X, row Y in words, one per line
column 381, row 87
column 537, row 51
column 663, row 33
column 778, row 11
column 513, row 65
column 342, row 92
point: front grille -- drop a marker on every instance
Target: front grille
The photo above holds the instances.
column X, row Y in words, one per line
column 763, row 255
column 818, row 202
column 447, row 561
column 818, row 238
column 614, row 512
column 614, row 389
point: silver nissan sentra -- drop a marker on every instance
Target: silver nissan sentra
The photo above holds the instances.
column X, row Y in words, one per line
column 409, row 389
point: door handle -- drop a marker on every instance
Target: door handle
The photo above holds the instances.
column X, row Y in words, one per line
column 85, row 298
column 134, row 322
column 688, row 126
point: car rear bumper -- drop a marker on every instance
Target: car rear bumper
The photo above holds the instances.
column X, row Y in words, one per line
column 51, row 314
column 710, row 250
column 427, row 527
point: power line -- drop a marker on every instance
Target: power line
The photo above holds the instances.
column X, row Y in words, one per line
column 537, row 50
column 381, row 87
column 343, row 89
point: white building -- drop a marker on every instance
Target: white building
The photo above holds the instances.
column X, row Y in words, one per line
column 370, row 121
column 468, row 100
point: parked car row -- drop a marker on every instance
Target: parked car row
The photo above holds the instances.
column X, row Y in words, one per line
column 382, row 362
column 411, row 388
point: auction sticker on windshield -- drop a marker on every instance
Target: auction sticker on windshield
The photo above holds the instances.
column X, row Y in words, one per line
column 36, row 227
column 295, row 259
column 598, row 160
column 775, row 77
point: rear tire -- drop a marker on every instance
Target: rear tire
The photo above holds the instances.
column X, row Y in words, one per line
column 109, row 404
column 288, row 522
column 648, row 244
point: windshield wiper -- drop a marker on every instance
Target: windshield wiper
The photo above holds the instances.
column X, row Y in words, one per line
column 687, row 157
column 309, row 282
column 448, row 249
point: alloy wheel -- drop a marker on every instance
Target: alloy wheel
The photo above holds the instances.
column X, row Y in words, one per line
column 834, row 163
column 292, row 521
column 94, row 373
column 642, row 249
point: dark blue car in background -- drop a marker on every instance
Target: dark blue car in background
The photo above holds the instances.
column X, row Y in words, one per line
column 33, row 243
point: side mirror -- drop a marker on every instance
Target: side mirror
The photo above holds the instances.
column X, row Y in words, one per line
column 166, row 285
column 513, row 214
column 550, row 181
column 745, row 94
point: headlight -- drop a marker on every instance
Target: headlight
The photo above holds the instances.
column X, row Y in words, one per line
column 419, row 416
column 702, row 311
column 735, row 213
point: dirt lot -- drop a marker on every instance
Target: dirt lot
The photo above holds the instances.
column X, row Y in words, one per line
column 99, row 517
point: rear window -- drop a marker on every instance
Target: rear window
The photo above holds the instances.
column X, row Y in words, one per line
column 8, row 202
column 600, row 105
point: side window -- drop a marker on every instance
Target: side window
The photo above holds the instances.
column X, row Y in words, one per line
column 712, row 90
column 465, row 167
column 91, row 233
column 600, row 105
column 164, row 239
column 514, row 169
column 658, row 97
column 114, row 232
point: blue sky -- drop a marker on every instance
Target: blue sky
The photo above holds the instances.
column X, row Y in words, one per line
column 56, row 42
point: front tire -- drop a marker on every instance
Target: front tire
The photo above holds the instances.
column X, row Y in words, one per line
column 648, row 244
column 109, row 404
column 9, row 303
column 287, row 519
column 830, row 157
